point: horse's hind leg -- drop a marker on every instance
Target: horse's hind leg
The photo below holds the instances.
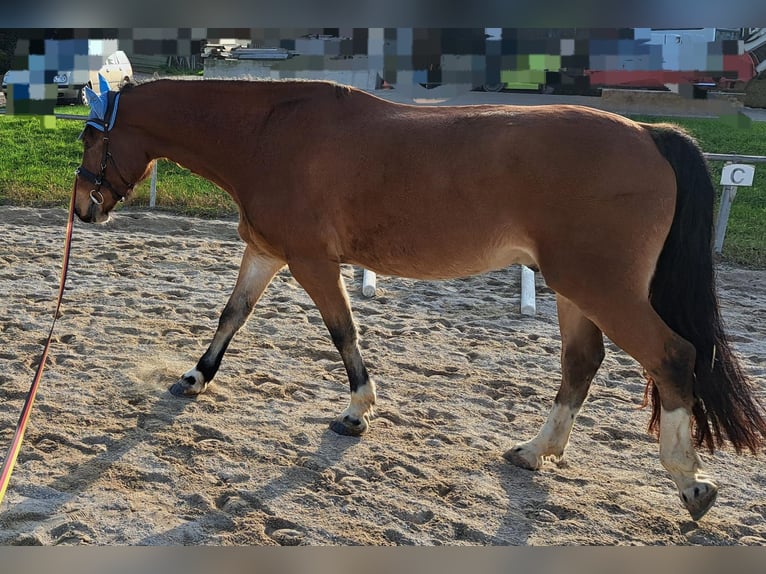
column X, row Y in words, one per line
column 324, row 284
column 255, row 273
column 582, row 350
column 631, row 322
column 668, row 360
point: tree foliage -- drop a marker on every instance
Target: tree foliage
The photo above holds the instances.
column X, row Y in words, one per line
column 7, row 48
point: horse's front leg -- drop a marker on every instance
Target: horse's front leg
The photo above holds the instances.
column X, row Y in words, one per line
column 323, row 282
column 255, row 273
column 582, row 350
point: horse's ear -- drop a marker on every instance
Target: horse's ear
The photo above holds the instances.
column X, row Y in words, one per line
column 97, row 105
column 103, row 85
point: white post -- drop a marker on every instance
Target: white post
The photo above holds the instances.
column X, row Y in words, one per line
column 733, row 175
column 727, row 198
column 153, row 191
column 528, row 306
column 368, row 283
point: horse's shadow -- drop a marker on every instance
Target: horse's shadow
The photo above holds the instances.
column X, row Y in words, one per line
column 524, row 495
column 327, row 454
column 514, row 528
column 65, row 488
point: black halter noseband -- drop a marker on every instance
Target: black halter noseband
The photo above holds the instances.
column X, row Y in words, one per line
column 99, row 180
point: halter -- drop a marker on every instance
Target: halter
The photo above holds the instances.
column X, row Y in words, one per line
column 102, row 117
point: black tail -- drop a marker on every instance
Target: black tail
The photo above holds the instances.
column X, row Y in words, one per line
column 683, row 292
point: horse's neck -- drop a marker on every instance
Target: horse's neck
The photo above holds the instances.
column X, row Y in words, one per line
column 185, row 105
column 198, row 128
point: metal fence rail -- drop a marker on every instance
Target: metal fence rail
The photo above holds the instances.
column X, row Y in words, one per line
column 733, row 157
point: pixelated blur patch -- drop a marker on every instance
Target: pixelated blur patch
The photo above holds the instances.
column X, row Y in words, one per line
column 41, row 67
column 738, row 120
column 48, row 122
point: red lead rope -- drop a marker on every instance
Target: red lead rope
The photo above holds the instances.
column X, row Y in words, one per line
column 13, row 451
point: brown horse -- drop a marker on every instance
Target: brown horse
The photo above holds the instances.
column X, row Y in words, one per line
column 616, row 215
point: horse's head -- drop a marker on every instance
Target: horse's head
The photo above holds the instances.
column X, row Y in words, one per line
column 111, row 164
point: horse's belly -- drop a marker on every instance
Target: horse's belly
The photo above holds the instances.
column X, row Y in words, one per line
column 508, row 256
column 443, row 264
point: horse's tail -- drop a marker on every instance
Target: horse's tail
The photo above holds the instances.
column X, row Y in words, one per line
column 683, row 292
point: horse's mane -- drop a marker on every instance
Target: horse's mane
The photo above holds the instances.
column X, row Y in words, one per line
column 127, row 87
column 340, row 89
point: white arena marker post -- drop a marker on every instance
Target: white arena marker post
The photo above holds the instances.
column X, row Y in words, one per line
column 732, row 176
column 153, row 191
column 527, row 291
column 368, row 283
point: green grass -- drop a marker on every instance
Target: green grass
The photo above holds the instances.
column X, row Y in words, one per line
column 37, row 169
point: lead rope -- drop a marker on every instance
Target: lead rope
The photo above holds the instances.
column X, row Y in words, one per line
column 13, row 450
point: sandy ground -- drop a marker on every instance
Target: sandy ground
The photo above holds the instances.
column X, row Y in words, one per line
column 111, row 458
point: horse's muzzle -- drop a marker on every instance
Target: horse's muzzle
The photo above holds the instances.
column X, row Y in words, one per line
column 93, row 214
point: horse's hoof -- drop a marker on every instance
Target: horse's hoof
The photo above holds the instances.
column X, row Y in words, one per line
column 521, row 456
column 699, row 498
column 348, row 426
column 187, row 386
